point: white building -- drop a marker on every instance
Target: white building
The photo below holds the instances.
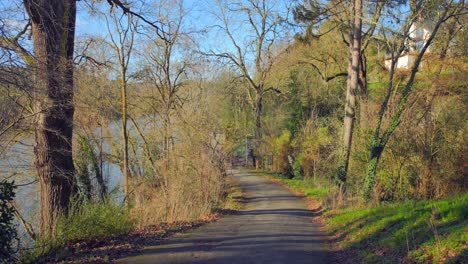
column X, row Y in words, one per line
column 419, row 33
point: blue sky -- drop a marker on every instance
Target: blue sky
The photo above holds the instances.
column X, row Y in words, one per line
column 200, row 17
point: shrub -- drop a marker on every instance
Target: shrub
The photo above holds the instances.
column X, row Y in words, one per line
column 317, row 150
column 190, row 185
column 297, row 168
column 87, row 221
column 7, row 229
column 282, row 150
column 187, row 182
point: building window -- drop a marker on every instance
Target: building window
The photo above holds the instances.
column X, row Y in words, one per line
column 419, row 45
column 419, row 33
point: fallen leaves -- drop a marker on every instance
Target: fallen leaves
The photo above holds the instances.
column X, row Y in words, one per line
column 107, row 250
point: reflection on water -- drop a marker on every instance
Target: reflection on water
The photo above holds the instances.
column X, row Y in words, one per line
column 17, row 162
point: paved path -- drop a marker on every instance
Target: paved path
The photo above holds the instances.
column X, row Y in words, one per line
column 273, row 227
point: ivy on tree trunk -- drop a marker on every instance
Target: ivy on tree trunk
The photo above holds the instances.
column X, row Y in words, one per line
column 53, row 31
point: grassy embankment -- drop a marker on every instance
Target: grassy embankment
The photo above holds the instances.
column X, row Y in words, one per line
column 101, row 232
column 409, row 232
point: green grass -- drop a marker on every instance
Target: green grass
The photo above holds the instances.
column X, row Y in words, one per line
column 307, row 187
column 90, row 221
column 86, row 222
column 233, row 197
column 376, row 85
column 421, row 232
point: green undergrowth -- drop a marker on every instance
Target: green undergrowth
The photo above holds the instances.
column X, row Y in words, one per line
column 87, row 222
column 409, row 232
column 95, row 220
column 233, row 201
column 376, row 85
column 307, row 187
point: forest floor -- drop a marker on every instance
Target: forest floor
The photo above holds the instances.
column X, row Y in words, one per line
column 273, row 226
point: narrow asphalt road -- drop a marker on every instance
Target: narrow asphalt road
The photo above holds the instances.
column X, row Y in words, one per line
column 273, row 227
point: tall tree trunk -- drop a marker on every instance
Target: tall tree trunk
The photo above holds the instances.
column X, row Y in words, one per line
column 369, row 180
column 380, row 139
column 363, row 92
column 258, row 127
column 126, row 168
column 352, row 87
column 53, row 30
column 121, row 37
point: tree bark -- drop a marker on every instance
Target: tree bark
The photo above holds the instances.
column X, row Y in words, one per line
column 352, row 87
column 121, row 37
column 258, row 115
column 53, row 31
column 380, row 140
column 258, row 128
column 369, row 181
column 126, row 168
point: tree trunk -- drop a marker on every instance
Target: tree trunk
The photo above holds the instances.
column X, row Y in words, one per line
column 352, row 87
column 381, row 139
column 376, row 153
column 126, row 168
column 363, row 92
column 53, row 30
column 258, row 128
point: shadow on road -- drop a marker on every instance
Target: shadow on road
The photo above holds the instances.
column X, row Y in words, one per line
column 273, row 227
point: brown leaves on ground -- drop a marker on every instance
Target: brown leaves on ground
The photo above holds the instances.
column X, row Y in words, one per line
column 109, row 249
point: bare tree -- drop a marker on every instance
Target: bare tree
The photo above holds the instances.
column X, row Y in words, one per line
column 53, row 34
column 261, row 20
column 168, row 60
column 121, row 29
